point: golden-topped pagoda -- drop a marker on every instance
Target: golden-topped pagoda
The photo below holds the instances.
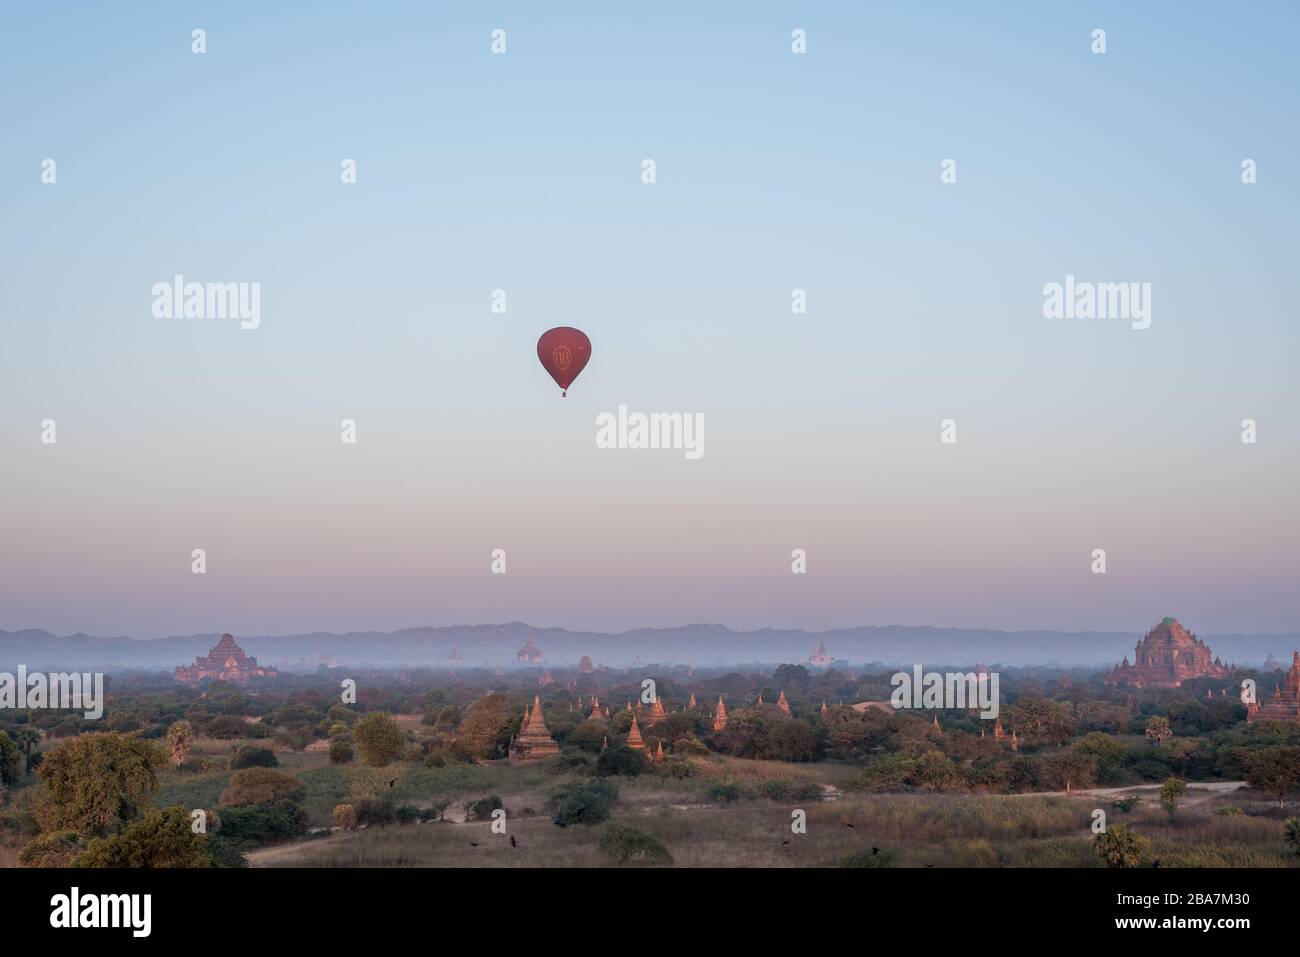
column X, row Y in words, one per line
column 782, row 703
column 534, row 739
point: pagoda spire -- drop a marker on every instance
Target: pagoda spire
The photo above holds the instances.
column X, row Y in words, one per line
column 720, row 717
column 634, row 739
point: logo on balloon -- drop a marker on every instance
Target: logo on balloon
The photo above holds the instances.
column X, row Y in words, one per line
column 563, row 352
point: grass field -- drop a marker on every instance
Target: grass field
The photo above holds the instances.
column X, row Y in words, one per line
column 704, row 825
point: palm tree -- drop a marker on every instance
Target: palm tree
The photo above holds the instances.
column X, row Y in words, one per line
column 179, row 737
column 1158, row 729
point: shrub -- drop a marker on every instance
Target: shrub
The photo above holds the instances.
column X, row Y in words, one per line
column 1119, row 847
column 227, row 727
column 345, row 817
column 624, row 843
column 261, row 786
column 1230, row 810
column 872, row 858
column 340, row 751
column 251, row 757
column 162, row 838
column 54, row 849
column 724, row 791
column 621, row 760
column 376, row 812
column 1171, row 792
column 263, row 823
column 583, row 802
column 1291, row 834
column 481, row 810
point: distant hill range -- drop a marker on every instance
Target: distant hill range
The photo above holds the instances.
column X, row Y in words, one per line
column 702, row 645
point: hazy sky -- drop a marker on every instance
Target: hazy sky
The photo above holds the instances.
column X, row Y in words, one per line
column 775, row 171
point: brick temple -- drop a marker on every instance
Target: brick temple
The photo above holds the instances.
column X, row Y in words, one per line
column 1166, row 657
column 534, row 739
column 225, row 662
column 1285, row 703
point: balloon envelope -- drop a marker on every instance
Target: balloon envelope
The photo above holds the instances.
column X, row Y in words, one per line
column 564, row 352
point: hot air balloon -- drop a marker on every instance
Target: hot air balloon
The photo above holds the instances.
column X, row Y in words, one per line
column 564, row 352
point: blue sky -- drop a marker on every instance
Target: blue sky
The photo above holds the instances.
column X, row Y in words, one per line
column 775, row 172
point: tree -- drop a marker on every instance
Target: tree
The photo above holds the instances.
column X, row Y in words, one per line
column 11, row 759
column 27, row 738
column 1158, row 729
column 583, row 802
column 54, row 849
column 1170, row 793
column 226, row 727
column 484, row 725
column 620, row 760
column 261, row 786
column 340, row 751
column 379, row 739
column 97, row 782
column 1070, row 769
column 1274, row 770
column 162, row 838
column 250, row 757
column 179, row 738
column 345, row 817
column 1119, row 847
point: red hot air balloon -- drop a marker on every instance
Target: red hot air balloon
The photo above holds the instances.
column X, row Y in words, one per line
column 564, row 352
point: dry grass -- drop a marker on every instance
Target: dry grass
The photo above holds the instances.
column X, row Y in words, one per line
column 918, row 830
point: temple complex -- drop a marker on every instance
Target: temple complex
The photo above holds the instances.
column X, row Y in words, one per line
column 225, row 662
column 720, row 717
column 1166, row 657
column 1285, row 703
column 529, row 652
column 534, row 739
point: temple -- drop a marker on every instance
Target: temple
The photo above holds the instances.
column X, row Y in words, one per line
column 1285, row 703
column 225, row 662
column 534, row 739
column 529, row 652
column 820, row 658
column 634, row 739
column 720, row 716
column 1166, row 657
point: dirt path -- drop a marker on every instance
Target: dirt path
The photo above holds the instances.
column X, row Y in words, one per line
column 286, row 853
column 1212, row 787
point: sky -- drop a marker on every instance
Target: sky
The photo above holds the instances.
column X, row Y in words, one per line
column 522, row 171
